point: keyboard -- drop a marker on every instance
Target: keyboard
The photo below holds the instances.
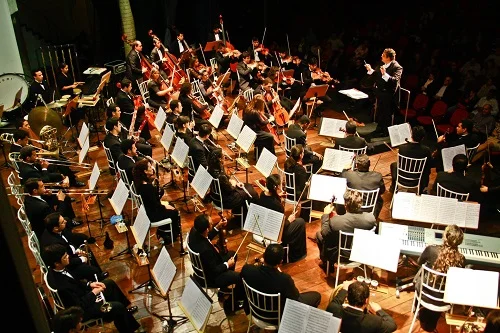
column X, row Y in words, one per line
column 477, row 249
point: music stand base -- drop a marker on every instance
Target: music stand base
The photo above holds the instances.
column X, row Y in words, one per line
column 149, row 284
column 128, row 250
column 171, row 323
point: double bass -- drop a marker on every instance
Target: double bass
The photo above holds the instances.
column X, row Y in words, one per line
column 144, row 62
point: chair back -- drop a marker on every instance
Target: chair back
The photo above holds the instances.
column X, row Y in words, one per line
column 470, row 152
column 356, row 151
column 420, row 102
column 410, row 170
column 15, row 189
column 111, row 163
column 431, row 289
column 14, row 160
column 7, row 137
column 23, row 218
column 289, row 143
column 438, row 110
column 369, row 199
column 263, row 307
column 34, row 246
column 458, row 115
column 216, row 195
column 198, row 271
column 136, row 198
column 123, row 175
column 213, row 64
column 248, row 94
column 444, row 192
column 143, row 88
column 110, row 101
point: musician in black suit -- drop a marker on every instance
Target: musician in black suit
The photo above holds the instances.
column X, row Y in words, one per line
column 158, row 54
column 128, row 158
column 74, row 291
column 39, row 89
column 20, row 138
column 218, row 268
column 267, row 278
column 298, row 131
column 125, row 102
column 82, row 264
column 38, row 204
column 31, row 167
column 216, row 34
column 246, row 73
column 387, row 82
column 350, row 140
column 200, row 147
column 361, row 315
column 194, row 110
column 184, row 128
column 414, row 149
column 174, row 111
column 135, row 71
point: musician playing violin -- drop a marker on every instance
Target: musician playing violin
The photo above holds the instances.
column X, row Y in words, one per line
column 248, row 72
column 254, row 116
column 284, row 60
column 159, row 90
column 135, row 71
column 255, row 50
column 315, row 76
column 197, row 69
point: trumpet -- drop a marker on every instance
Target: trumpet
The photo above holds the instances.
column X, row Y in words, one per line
column 85, row 248
column 106, row 306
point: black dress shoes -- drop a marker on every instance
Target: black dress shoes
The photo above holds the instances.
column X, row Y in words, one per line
column 104, row 275
column 133, row 309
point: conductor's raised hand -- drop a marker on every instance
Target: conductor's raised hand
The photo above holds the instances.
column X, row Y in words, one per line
column 368, row 67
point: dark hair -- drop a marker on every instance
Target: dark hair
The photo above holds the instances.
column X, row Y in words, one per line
column 141, row 109
column 273, row 182
column 294, row 157
column 492, row 322
column 20, row 122
column 273, row 255
column 201, row 223
column 304, row 119
column 53, row 254
column 357, row 293
column 350, row 127
column 215, row 166
column 139, row 172
column 110, row 110
column 181, row 120
column 468, row 125
column 418, row 133
column 245, row 54
column 390, row 53
column 459, row 163
column 174, row 104
column 67, row 319
column 185, row 88
column 52, row 220
column 111, row 123
column 19, row 134
column 31, row 185
column 313, row 61
column 62, row 65
column 205, row 130
column 33, row 72
column 26, row 152
column 125, row 83
column 127, row 144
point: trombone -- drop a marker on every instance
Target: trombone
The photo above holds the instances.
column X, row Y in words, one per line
column 49, row 191
column 65, row 163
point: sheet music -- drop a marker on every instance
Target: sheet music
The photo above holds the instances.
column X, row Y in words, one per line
column 403, row 205
column 141, row 226
column 398, row 134
column 246, row 138
column 234, row 126
column 481, row 287
column 196, row 304
column 332, row 127
column 354, row 93
column 431, row 205
column 216, row 116
column 94, row 176
column 337, row 160
column 119, row 197
column 201, row 181
column 323, row 187
column 161, row 116
column 84, row 134
column 386, row 256
column 180, row 152
column 164, row 270
column 467, row 214
column 270, row 222
column 446, row 210
column 166, row 138
column 83, row 151
column 448, row 154
column 266, row 162
column 302, row 318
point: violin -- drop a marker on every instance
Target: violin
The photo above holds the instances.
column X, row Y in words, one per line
column 222, row 241
column 323, row 76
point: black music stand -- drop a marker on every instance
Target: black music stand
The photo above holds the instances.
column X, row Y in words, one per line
column 127, row 250
column 315, row 92
column 171, row 322
column 147, row 284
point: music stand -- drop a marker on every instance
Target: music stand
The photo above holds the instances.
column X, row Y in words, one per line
column 117, row 201
column 314, row 92
column 212, row 46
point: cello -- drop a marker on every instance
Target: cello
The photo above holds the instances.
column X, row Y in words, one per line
column 144, row 62
column 280, row 113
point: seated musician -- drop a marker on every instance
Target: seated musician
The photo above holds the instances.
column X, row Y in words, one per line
column 298, row 131
column 197, row 69
column 158, row 55
column 39, row 203
column 20, row 138
column 254, row 117
column 294, row 230
column 350, row 139
column 327, row 238
column 184, row 128
column 147, row 186
column 294, row 164
column 271, row 96
column 439, row 258
column 200, row 147
column 227, row 60
column 68, row 320
column 235, row 195
column 284, row 59
column 174, row 111
column 66, row 85
column 191, row 108
column 159, row 91
column 125, row 101
column 74, row 291
column 82, row 264
column 31, row 166
column 208, row 90
column 299, row 68
column 317, row 77
column 255, row 50
column 247, row 72
column 128, row 158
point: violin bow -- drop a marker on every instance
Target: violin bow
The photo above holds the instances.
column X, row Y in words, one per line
column 264, row 35
column 288, row 43
column 348, row 119
column 379, row 156
column 303, row 191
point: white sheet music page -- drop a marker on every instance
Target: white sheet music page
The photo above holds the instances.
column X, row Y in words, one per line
column 337, row 160
column 141, row 226
column 84, row 151
column 481, row 287
column 323, row 187
column 196, row 304
column 94, row 176
column 246, row 138
column 166, row 138
column 448, row 154
column 430, row 203
column 263, row 222
column 164, row 270
column 399, row 133
column 446, row 210
column 84, row 134
column 216, row 116
column 119, row 197
column 386, row 256
column 332, row 127
column 266, row 162
column 403, row 206
column 467, row 214
column 302, row 318
column 180, row 152
column 161, row 116
column 354, row 93
column 201, row 181
column 234, row 126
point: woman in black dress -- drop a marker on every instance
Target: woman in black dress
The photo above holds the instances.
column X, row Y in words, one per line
column 151, row 194
column 293, row 164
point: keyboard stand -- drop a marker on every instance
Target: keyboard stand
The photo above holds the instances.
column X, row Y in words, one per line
column 406, row 263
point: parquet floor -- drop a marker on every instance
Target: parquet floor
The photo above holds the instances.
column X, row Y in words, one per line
column 307, row 273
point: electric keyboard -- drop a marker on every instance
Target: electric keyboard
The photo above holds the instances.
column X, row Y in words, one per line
column 477, row 249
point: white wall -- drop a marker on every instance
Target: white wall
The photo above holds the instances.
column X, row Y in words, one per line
column 10, row 59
